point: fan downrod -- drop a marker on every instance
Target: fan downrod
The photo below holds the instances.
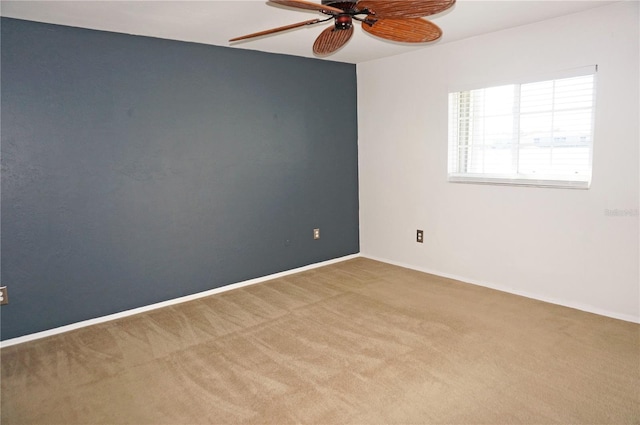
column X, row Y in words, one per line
column 344, row 5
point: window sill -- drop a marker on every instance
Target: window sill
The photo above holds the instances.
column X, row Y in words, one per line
column 515, row 181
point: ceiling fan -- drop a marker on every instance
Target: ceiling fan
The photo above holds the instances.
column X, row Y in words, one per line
column 396, row 20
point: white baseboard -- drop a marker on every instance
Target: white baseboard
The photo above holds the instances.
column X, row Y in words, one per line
column 78, row 325
column 85, row 323
column 574, row 305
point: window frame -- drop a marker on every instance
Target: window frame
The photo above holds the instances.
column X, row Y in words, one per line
column 519, row 179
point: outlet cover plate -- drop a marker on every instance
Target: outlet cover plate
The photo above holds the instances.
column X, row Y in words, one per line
column 4, row 296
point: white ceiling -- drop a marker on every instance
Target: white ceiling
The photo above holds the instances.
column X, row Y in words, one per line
column 214, row 22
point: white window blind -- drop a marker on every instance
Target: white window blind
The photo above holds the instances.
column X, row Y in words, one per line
column 538, row 133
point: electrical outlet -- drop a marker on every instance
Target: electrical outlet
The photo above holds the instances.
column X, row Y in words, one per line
column 419, row 236
column 4, row 296
column 316, row 233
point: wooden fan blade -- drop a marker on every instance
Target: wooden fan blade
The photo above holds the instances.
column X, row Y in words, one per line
column 302, row 4
column 274, row 30
column 411, row 30
column 404, row 8
column 331, row 40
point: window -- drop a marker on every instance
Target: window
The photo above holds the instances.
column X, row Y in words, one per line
column 537, row 133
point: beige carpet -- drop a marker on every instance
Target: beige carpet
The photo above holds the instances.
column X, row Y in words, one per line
column 359, row 342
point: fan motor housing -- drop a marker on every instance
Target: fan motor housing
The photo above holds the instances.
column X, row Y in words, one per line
column 343, row 22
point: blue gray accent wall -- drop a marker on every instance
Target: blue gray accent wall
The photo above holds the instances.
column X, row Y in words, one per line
column 136, row 170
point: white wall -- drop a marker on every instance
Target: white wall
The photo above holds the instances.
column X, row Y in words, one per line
column 556, row 245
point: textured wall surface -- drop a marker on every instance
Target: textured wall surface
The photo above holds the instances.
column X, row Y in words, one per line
column 136, row 170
